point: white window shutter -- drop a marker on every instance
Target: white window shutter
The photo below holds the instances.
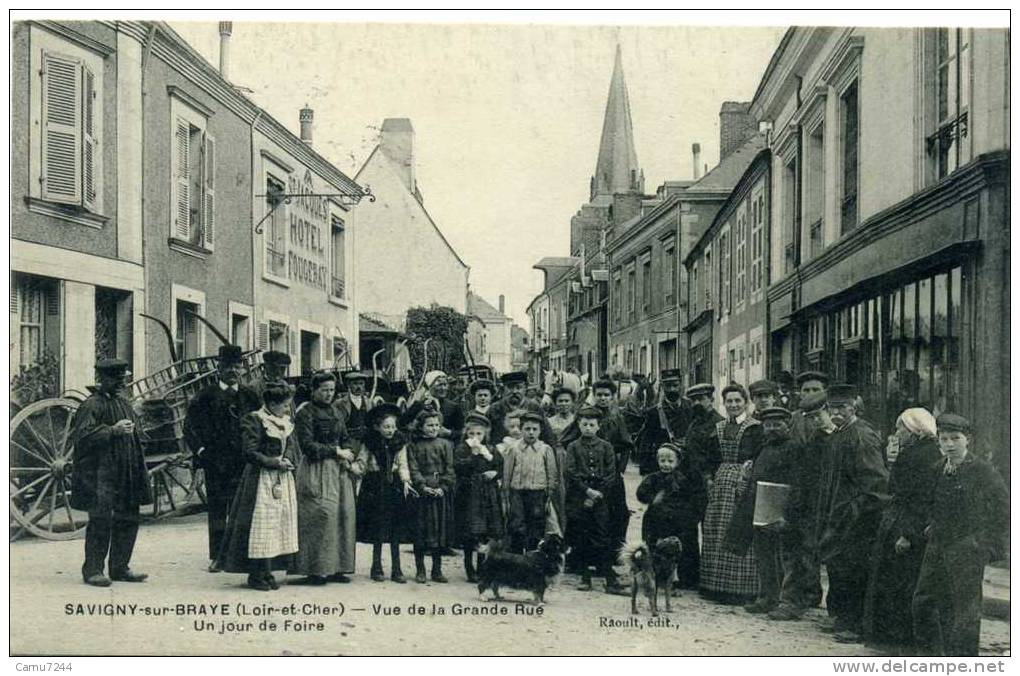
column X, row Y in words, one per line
column 61, row 133
column 209, row 198
column 182, row 202
column 90, row 148
column 263, row 336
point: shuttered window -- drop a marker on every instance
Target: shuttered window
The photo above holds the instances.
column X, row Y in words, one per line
column 338, row 286
column 194, row 184
column 70, row 152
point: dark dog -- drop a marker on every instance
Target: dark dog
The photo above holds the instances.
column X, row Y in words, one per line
column 534, row 571
column 652, row 569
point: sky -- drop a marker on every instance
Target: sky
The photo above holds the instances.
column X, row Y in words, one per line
column 507, row 118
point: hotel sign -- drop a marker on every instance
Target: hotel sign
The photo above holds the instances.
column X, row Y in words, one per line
column 308, row 255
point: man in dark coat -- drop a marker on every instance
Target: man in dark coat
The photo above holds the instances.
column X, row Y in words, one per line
column 853, row 489
column 515, row 386
column 700, row 441
column 966, row 529
column 802, row 586
column 666, row 422
column 764, row 394
column 109, row 479
column 354, row 404
column 212, row 429
column 775, row 464
column 274, row 368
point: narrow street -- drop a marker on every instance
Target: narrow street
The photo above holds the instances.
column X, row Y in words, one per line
column 54, row 613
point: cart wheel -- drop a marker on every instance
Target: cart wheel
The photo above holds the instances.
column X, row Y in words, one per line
column 176, row 484
column 40, row 472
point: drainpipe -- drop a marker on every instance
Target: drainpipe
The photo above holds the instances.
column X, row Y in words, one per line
column 146, row 56
column 254, row 238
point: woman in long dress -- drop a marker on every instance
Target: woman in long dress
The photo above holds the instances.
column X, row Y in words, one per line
column 899, row 545
column 262, row 529
column 325, row 484
column 724, row 576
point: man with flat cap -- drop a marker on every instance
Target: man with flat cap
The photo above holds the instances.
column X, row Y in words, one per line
column 808, row 383
column 764, row 394
column 274, row 368
column 853, row 489
column 774, row 466
column 109, row 481
column 515, row 384
column 698, row 442
column 966, row 528
column 666, row 422
column 212, row 429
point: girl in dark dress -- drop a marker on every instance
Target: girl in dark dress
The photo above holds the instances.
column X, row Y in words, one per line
column 899, row 545
column 479, row 510
column 430, row 462
column 382, row 506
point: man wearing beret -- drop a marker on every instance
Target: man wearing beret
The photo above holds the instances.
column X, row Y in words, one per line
column 853, row 489
column 212, row 429
column 109, row 481
column 966, row 529
column 666, row 422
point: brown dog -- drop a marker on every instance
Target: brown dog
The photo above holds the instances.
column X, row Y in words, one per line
column 652, row 569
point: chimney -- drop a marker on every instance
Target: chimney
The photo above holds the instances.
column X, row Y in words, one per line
column 502, row 304
column 735, row 126
column 696, row 152
column 226, row 28
column 306, row 116
column 397, row 143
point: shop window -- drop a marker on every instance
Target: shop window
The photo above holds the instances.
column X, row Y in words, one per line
column 849, row 136
column 275, row 228
column 339, row 252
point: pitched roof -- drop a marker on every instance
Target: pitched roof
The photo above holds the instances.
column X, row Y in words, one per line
column 371, row 324
column 617, row 156
column 389, row 162
column 557, row 262
column 725, row 175
column 481, row 308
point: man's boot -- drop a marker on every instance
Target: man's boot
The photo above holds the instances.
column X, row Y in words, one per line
column 469, row 565
column 396, row 574
column 419, row 565
column 437, row 568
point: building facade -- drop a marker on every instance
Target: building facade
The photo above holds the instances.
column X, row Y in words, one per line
column 77, row 281
column 727, row 272
column 890, row 251
column 489, row 333
column 391, row 278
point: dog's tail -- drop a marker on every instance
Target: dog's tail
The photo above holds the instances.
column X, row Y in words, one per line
column 633, row 553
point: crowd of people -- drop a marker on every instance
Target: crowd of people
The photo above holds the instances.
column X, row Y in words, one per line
column 762, row 496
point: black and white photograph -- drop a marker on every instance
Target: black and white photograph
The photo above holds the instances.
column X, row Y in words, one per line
column 516, row 333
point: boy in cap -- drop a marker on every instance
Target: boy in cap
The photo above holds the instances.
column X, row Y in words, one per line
column 613, row 428
column 530, row 478
column 109, row 481
column 966, row 529
column 591, row 473
column 212, row 428
column 764, row 394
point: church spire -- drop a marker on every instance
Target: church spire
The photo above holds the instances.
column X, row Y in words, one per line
column 617, row 168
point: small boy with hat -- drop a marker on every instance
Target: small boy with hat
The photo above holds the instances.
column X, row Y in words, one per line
column 109, row 481
column 479, row 502
column 591, row 474
column 530, row 479
column 967, row 527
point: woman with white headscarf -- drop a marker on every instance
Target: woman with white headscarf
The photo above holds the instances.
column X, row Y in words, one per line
column 899, row 546
column 434, row 395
